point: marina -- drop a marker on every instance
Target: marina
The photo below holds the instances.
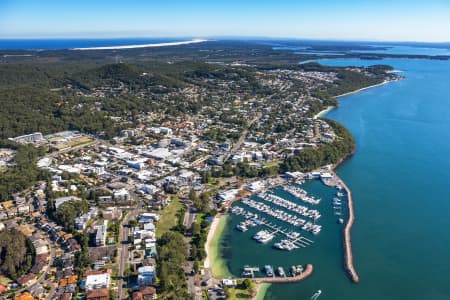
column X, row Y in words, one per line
column 263, row 206
column 293, row 240
column 300, row 194
column 285, row 219
column 297, row 208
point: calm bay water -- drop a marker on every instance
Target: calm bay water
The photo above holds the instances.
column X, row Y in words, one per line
column 389, row 49
column 396, row 49
column 399, row 178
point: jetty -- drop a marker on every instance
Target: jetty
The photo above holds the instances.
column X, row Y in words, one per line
column 298, row 240
column 348, row 255
column 306, row 273
column 250, row 270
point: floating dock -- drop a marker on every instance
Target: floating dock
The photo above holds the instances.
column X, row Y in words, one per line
column 251, row 270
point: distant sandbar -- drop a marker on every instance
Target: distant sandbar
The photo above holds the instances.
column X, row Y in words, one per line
column 194, row 41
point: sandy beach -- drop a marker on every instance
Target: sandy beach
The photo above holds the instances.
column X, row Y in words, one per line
column 213, row 260
column 329, row 108
column 211, row 233
column 323, row 112
column 194, row 41
column 365, row 88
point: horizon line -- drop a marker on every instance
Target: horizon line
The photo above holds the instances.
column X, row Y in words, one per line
column 223, row 37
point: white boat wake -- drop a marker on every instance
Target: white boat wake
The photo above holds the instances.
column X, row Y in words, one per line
column 316, row 295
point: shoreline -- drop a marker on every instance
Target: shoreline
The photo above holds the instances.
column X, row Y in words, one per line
column 212, row 260
column 365, row 88
column 261, row 290
column 330, row 108
column 324, row 111
column 348, row 252
column 194, row 41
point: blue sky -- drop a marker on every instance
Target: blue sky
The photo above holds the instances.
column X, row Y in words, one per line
column 395, row 20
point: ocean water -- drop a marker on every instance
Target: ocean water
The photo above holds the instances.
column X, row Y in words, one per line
column 399, row 179
column 57, row 44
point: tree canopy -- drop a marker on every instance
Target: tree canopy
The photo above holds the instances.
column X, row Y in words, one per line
column 16, row 253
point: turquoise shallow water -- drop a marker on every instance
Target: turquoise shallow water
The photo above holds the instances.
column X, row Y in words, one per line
column 399, row 178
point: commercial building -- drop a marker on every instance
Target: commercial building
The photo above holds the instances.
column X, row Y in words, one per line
column 28, row 138
column 227, row 195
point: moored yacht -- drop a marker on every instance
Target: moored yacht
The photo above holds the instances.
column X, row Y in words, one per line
column 269, row 270
column 241, row 227
column 263, row 236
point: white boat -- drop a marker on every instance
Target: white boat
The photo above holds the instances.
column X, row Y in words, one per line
column 241, row 227
column 269, row 270
column 263, row 236
column 279, row 246
column 267, row 238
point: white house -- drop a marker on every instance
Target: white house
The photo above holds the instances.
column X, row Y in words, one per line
column 98, row 281
column 100, row 236
column 146, row 275
column 121, row 194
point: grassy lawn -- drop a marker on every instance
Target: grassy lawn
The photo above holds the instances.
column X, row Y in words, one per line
column 272, row 164
column 200, row 217
column 4, row 280
column 239, row 292
column 168, row 218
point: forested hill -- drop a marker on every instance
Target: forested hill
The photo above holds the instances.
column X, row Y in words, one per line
column 131, row 75
column 51, row 91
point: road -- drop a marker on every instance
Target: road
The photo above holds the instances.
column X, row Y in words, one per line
column 124, row 231
column 189, row 217
column 56, row 153
column 238, row 144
